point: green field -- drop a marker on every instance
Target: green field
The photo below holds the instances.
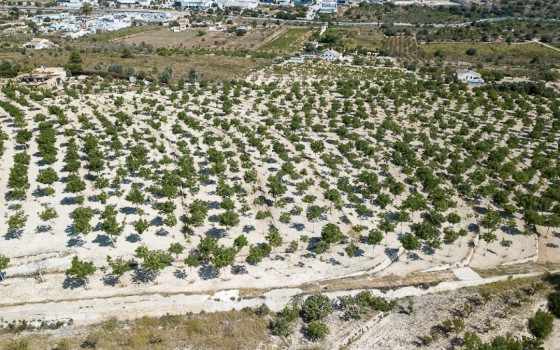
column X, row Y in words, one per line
column 288, row 41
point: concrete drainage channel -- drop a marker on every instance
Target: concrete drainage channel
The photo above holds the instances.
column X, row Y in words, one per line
column 89, row 311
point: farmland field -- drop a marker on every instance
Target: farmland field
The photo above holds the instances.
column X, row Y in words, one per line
column 289, row 40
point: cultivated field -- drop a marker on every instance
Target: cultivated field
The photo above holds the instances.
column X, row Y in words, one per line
column 295, row 175
column 289, row 40
column 197, row 38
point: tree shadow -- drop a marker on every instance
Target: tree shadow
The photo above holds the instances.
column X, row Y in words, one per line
column 392, row 253
column 216, row 232
column 180, row 274
column 75, row 242
column 110, row 280
column 141, row 275
column 73, row 283
column 157, row 221
column 102, row 240
column 239, row 270
column 213, row 205
column 133, row 238
column 43, row 228
column 298, row 226
column 128, row 210
column 333, row 262
column 473, row 228
column 68, row 201
column 162, row 232
column 14, row 234
column 208, row 272
column 248, row 228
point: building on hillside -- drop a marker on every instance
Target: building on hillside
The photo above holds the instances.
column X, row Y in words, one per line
column 238, row 5
column 40, row 44
column 331, row 55
column 295, row 60
column 50, row 77
column 329, row 6
column 193, row 4
column 469, row 77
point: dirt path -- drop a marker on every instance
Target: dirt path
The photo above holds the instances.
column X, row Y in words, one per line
column 128, row 307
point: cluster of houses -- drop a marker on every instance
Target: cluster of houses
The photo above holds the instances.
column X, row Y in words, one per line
column 75, row 26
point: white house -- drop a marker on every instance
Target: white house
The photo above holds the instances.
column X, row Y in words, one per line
column 331, row 55
column 40, row 44
column 295, row 60
column 194, row 4
column 329, row 6
column 469, row 77
column 238, row 5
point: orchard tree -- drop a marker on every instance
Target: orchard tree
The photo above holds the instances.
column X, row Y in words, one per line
column 48, row 177
column 240, row 242
column 176, row 248
column 135, row 196
column 410, row 242
column 374, row 238
column 223, row 257
column 48, row 214
column 4, row 261
column 331, row 233
column 82, row 217
column 274, row 238
column 17, row 222
column 229, row 219
column 141, row 225
column 118, row 266
column 491, row 220
column 75, row 184
column 153, row 260
column 80, row 269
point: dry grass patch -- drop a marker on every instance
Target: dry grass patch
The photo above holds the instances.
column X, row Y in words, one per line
column 222, row 330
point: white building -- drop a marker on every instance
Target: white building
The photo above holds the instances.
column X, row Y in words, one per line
column 331, row 55
column 238, row 5
column 295, row 60
column 193, row 4
column 329, row 6
column 40, row 44
column 469, row 77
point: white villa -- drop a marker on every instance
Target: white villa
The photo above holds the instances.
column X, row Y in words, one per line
column 40, row 44
column 331, row 55
column 329, row 6
column 469, row 77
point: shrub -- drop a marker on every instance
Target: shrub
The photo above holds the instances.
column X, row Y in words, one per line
column 262, row 310
column 21, row 344
column 290, row 313
column 317, row 330
column 316, row 307
column 541, row 324
column 281, row 327
column 554, row 303
column 471, row 51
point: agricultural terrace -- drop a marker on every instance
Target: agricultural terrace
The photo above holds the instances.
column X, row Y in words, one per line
column 298, row 173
